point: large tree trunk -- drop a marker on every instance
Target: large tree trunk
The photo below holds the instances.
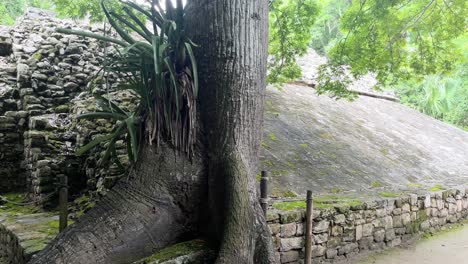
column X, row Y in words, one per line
column 155, row 207
column 233, row 39
column 159, row 204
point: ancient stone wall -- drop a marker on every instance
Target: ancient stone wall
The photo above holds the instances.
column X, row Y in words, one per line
column 343, row 232
column 39, row 80
column 11, row 251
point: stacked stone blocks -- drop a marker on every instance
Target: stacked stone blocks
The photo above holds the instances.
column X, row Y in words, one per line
column 343, row 232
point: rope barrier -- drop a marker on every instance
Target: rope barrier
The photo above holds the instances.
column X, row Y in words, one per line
column 42, row 200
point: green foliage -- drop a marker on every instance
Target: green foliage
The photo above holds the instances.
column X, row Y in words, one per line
column 11, row 9
column 290, row 25
column 78, row 9
column 442, row 97
column 398, row 39
column 326, row 30
column 159, row 69
column 126, row 127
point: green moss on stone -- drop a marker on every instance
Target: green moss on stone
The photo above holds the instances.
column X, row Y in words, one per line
column 303, row 145
column 321, row 202
column 437, row 187
column 37, row 56
column 175, row 251
column 12, row 207
column 272, row 137
column 415, row 185
column 376, row 184
column 389, row 194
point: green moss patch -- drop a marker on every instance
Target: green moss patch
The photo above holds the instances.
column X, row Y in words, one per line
column 272, row 137
column 321, row 202
column 12, row 207
column 390, row 194
column 176, row 250
column 376, row 184
column 437, row 187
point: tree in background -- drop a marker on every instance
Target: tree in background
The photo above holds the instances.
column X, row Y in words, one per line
column 326, row 30
column 397, row 40
column 290, row 25
column 11, row 9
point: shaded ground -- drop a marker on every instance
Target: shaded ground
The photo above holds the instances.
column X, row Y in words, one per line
column 451, row 247
column 33, row 227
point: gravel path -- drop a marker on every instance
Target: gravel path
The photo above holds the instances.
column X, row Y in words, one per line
column 447, row 248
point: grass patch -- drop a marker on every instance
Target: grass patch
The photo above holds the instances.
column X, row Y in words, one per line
column 287, row 206
column 336, row 190
column 14, row 209
column 415, row 185
column 437, row 187
column 321, row 202
column 390, row 194
column 376, row 184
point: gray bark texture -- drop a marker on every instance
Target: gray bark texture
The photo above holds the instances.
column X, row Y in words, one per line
column 155, row 207
column 233, row 39
column 167, row 198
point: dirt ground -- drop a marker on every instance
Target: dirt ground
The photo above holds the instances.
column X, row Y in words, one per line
column 446, row 248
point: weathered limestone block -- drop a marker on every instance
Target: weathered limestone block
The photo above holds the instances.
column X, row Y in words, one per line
column 379, row 235
column 347, row 248
column 358, row 232
column 331, row 253
column 287, row 244
column 367, row 230
column 320, row 238
column 274, row 228
column 333, row 242
column 336, row 230
column 395, row 242
column 389, row 235
column 288, row 230
column 339, row 218
column 290, row 217
column 290, row 256
column 318, row 251
column 320, row 227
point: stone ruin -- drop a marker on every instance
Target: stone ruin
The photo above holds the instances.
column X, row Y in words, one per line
column 46, row 79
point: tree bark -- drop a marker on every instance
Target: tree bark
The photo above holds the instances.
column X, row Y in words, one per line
column 155, row 207
column 159, row 204
column 233, row 39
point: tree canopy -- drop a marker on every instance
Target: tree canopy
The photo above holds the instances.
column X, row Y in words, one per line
column 406, row 44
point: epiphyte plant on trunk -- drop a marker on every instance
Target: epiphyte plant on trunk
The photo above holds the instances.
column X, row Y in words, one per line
column 158, row 66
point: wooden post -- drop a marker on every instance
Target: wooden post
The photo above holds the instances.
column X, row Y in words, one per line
column 264, row 192
column 63, row 202
column 308, row 233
